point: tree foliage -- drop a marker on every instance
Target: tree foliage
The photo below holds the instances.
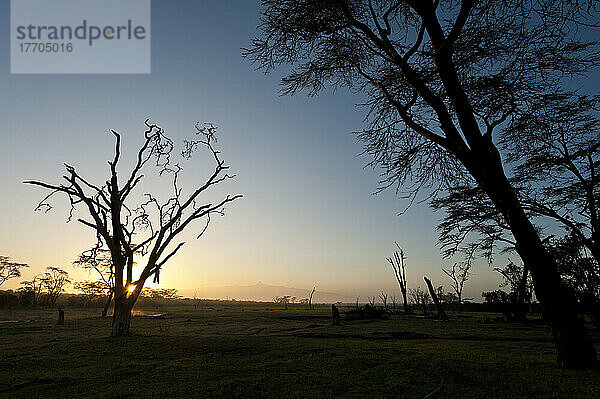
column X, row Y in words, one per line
column 9, row 269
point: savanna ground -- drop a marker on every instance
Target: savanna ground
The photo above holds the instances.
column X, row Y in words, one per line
column 246, row 351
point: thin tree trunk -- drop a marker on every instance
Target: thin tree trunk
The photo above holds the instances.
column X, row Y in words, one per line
column 573, row 344
column 438, row 305
column 406, row 309
column 107, row 304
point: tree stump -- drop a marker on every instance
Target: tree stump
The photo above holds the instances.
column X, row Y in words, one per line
column 336, row 315
column 61, row 317
column 441, row 313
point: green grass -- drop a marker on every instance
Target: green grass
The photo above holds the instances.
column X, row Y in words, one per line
column 248, row 352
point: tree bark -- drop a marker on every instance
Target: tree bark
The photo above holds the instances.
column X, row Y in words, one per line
column 438, row 305
column 121, row 321
column 406, row 309
column 573, row 344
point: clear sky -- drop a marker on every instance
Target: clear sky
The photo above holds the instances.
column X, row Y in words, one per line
column 308, row 216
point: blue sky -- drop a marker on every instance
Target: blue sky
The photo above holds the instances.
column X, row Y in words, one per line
column 308, row 216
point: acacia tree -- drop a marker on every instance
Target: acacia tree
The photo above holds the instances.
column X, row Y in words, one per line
column 459, row 275
column 9, row 269
column 54, row 281
column 397, row 262
column 555, row 153
column 152, row 226
column 444, row 80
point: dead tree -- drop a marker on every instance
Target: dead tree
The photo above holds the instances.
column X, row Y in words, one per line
column 384, row 297
column 459, row 274
column 421, row 298
column 150, row 226
column 397, row 262
column 371, row 300
column 436, row 301
column 310, row 305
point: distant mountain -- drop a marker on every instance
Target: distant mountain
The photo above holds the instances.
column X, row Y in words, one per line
column 264, row 292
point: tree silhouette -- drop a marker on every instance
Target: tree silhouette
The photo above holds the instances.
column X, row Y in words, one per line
column 445, row 83
column 397, row 262
column 518, row 279
column 9, row 269
column 459, row 274
column 33, row 289
column 54, row 281
column 420, row 298
column 154, row 225
column 556, row 156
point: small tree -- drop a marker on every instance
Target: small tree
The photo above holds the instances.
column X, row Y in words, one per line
column 155, row 225
column 420, row 298
column 282, row 300
column 436, row 301
column 54, row 281
column 459, row 274
column 397, row 262
column 384, row 297
column 9, row 269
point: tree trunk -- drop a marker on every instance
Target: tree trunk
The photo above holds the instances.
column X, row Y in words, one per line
column 458, row 302
column 107, row 304
column 573, row 344
column 438, row 305
column 121, row 321
column 521, row 310
column 406, row 309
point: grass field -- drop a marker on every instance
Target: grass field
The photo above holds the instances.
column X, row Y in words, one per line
column 248, row 352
